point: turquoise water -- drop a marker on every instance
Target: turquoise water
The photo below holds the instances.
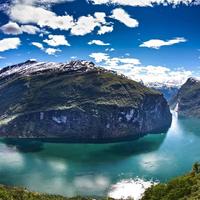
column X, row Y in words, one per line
column 93, row 169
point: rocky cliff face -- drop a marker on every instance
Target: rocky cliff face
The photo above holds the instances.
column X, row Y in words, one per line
column 77, row 101
column 187, row 100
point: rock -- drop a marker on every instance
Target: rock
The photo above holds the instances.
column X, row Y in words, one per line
column 77, row 101
column 187, row 101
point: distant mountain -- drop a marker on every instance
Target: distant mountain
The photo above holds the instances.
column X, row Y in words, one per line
column 77, row 101
column 187, row 100
column 169, row 91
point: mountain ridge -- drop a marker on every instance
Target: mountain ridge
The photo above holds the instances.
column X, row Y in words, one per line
column 77, row 101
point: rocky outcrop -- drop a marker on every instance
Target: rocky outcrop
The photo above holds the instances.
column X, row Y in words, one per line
column 77, row 101
column 187, row 101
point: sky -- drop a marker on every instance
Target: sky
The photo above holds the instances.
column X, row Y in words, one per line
column 147, row 40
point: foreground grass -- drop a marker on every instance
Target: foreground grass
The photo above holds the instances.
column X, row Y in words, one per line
column 14, row 193
column 185, row 187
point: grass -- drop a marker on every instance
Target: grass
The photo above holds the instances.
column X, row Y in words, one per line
column 185, row 187
column 14, row 193
column 60, row 90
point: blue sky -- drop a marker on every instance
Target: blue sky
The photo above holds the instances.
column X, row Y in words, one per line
column 144, row 39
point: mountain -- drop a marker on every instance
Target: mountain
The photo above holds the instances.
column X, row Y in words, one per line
column 187, row 100
column 169, row 91
column 77, row 101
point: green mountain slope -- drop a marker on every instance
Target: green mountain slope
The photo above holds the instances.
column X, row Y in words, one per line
column 76, row 101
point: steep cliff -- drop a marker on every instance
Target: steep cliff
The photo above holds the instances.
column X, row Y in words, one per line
column 77, row 101
column 187, row 100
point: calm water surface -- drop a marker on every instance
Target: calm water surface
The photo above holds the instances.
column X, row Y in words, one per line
column 99, row 169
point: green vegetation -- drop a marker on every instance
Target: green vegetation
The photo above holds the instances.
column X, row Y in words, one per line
column 13, row 193
column 85, row 103
column 54, row 91
column 185, row 187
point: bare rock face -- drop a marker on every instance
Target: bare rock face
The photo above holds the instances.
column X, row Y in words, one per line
column 187, row 100
column 77, row 102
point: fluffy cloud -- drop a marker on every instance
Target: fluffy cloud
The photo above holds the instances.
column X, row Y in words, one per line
column 29, row 29
column 98, row 42
column 120, row 15
column 115, row 61
column 84, row 25
column 99, row 57
column 156, row 43
column 144, row 3
column 159, row 74
column 25, row 14
column 12, row 28
column 57, row 40
column 41, row 2
column 50, row 51
column 38, row 45
column 105, row 29
column 87, row 24
column 132, row 68
column 9, row 43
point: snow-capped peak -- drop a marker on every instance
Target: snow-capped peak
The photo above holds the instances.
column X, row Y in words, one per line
column 32, row 66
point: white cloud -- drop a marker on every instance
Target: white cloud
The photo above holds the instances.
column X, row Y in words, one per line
column 73, row 57
column 156, row 43
column 56, row 40
column 41, row 2
column 122, row 16
column 159, row 74
column 98, row 42
column 115, row 61
column 24, row 14
column 109, row 49
column 132, row 68
column 87, row 24
column 99, row 57
column 29, row 29
column 1, row 57
column 105, row 29
column 9, row 43
column 84, row 25
column 144, row 3
column 50, row 51
column 12, row 28
column 38, row 45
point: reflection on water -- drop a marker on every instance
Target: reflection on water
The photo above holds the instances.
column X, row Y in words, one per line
column 24, row 145
column 87, row 152
column 129, row 189
column 99, row 169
